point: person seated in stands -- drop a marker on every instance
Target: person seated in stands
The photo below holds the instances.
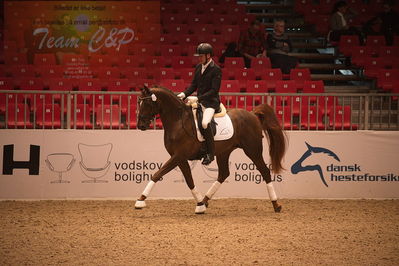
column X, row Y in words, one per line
column 231, row 51
column 373, row 27
column 278, row 46
column 339, row 22
column 251, row 43
column 390, row 22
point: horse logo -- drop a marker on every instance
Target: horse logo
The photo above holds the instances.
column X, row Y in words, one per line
column 297, row 167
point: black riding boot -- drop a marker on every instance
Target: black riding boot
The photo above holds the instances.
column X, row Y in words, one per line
column 210, row 146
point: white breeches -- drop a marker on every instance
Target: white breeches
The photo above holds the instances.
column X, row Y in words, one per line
column 208, row 114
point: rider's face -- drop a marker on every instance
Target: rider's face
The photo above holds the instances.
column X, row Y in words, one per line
column 202, row 58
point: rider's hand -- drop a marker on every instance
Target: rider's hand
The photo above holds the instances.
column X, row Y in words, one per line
column 181, row 95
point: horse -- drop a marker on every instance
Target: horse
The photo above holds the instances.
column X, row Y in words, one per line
column 182, row 144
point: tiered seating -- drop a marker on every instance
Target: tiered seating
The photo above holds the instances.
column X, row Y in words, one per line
column 378, row 61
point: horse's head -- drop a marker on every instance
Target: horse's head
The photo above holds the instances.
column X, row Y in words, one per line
column 148, row 108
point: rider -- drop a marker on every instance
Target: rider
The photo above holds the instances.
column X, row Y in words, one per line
column 206, row 81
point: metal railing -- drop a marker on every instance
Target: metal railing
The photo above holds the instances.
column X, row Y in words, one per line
column 118, row 110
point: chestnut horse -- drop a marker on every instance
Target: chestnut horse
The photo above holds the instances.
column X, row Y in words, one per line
column 181, row 142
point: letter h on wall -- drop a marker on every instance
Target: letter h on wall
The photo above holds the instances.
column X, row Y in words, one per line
column 9, row 164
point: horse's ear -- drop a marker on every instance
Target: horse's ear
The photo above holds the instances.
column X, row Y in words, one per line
column 145, row 90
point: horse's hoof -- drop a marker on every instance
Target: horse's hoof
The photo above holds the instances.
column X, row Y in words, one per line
column 200, row 209
column 140, row 204
column 278, row 209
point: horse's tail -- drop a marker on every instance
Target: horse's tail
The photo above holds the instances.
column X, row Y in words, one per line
column 275, row 134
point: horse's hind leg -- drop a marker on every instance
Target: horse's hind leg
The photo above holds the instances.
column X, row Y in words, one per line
column 223, row 167
column 185, row 169
column 254, row 152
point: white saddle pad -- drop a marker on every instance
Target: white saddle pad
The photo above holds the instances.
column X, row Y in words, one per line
column 224, row 128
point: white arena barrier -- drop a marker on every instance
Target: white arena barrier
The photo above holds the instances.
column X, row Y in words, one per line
column 108, row 164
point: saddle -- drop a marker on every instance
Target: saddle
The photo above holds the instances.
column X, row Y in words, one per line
column 198, row 115
column 197, row 108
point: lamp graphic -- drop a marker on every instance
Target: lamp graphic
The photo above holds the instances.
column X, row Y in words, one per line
column 60, row 163
column 95, row 161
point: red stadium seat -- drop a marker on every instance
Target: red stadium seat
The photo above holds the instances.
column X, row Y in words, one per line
column 74, row 60
column 97, row 60
column 48, row 116
column 176, row 85
column 271, row 75
column 372, row 65
column 347, row 42
column 359, row 53
column 51, row 71
column 182, row 62
column 171, row 50
column 387, row 79
column 6, row 83
column 15, row 59
column 107, row 72
column 176, row 29
column 260, row 64
column 18, row 116
column 44, row 59
column 392, row 51
column 60, row 84
column 31, row 83
column 234, row 62
column 285, row 117
column 230, row 33
column 26, row 71
column 285, row 86
column 118, row 85
column 83, row 119
column 375, row 40
column 313, row 86
column 128, row 61
column 341, row 119
column 300, row 75
column 256, row 86
column 229, row 86
column 89, row 85
column 144, row 49
column 108, row 116
column 311, row 119
column 135, row 73
column 242, row 75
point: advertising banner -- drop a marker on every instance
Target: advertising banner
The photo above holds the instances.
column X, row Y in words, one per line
column 117, row 164
column 82, row 28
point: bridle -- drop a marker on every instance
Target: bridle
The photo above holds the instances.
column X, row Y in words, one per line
column 147, row 118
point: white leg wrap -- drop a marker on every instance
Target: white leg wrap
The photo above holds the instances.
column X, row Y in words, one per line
column 212, row 190
column 200, row 209
column 272, row 193
column 140, row 204
column 148, row 188
column 197, row 195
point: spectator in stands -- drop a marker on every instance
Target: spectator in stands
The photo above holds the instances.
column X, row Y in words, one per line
column 390, row 22
column 373, row 27
column 231, row 51
column 278, row 47
column 251, row 43
column 339, row 22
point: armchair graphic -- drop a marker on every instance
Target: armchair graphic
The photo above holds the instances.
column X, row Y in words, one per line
column 95, row 161
column 60, row 163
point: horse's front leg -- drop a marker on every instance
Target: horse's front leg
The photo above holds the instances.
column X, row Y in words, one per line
column 185, row 169
column 166, row 168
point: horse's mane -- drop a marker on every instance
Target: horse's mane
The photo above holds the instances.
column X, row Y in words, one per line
column 168, row 93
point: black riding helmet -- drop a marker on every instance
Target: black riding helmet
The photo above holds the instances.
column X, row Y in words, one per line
column 204, row 48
